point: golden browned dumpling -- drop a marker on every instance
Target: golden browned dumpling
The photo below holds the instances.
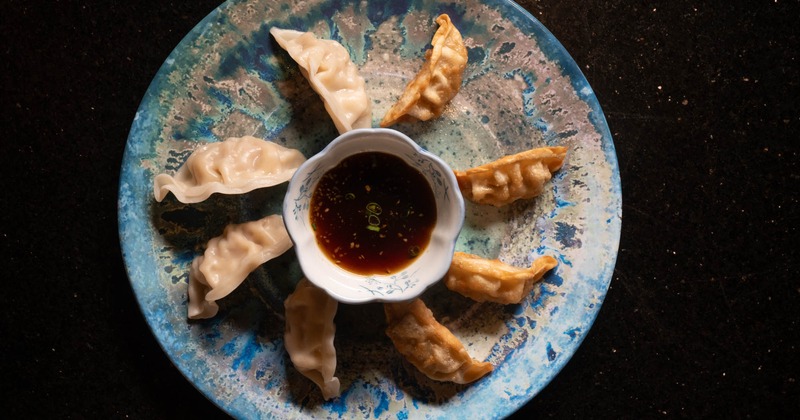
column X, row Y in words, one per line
column 437, row 82
column 512, row 177
column 483, row 279
column 429, row 345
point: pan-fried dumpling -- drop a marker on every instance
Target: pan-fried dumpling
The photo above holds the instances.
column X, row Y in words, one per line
column 234, row 166
column 309, row 335
column 328, row 68
column 437, row 82
column 230, row 258
column 429, row 345
column 512, row 177
column 483, row 280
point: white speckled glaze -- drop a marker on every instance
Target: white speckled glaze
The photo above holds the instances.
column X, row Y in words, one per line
column 228, row 78
column 428, row 268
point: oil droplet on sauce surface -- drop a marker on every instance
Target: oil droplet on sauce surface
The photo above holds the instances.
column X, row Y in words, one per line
column 373, row 213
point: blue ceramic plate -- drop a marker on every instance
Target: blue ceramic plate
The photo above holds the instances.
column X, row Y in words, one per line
column 228, row 78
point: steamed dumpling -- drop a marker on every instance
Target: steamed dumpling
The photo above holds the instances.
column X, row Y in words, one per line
column 309, row 335
column 234, row 166
column 328, row 68
column 483, row 279
column 512, row 177
column 230, row 258
column 429, row 345
column 437, row 82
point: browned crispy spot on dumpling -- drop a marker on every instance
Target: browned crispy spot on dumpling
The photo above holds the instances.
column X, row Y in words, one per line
column 510, row 178
column 437, row 82
column 484, row 280
column 429, row 345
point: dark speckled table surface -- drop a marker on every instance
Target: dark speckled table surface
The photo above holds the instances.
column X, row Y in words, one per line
column 702, row 318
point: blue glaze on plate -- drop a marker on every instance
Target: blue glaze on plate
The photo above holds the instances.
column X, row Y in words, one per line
column 228, row 78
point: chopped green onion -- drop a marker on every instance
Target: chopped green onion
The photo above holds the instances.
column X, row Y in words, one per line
column 374, row 208
column 413, row 251
column 374, row 228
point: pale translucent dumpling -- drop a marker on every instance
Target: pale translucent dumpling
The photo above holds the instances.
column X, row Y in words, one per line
column 437, row 82
column 493, row 280
column 328, row 68
column 234, row 166
column 230, row 258
column 429, row 345
column 510, row 178
column 309, row 335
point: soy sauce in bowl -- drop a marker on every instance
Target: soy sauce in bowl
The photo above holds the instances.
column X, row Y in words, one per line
column 373, row 213
column 374, row 217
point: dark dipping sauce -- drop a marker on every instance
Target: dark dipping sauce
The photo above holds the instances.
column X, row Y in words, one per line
column 373, row 213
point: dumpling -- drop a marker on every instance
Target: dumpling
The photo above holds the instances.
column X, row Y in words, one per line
column 437, row 82
column 199, row 307
column 230, row 258
column 512, row 177
column 483, row 280
column 234, row 166
column 328, row 68
column 309, row 335
column 429, row 345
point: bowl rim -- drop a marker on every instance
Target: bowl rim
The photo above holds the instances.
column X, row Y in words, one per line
column 445, row 232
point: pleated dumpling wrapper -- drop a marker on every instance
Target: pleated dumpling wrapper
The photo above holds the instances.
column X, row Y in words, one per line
column 234, row 166
column 484, row 280
column 429, row 345
column 439, row 80
column 309, row 335
column 327, row 66
column 230, row 258
column 510, row 178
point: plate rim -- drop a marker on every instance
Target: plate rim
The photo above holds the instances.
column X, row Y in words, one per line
column 554, row 51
